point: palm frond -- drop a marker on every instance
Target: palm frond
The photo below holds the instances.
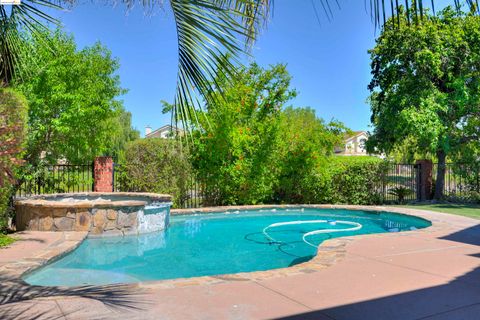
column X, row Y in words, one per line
column 415, row 9
column 208, row 32
column 16, row 21
column 212, row 34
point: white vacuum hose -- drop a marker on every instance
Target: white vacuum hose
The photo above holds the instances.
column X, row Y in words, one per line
column 355, row 226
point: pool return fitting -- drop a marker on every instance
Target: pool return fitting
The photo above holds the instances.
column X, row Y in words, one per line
column 355, row 226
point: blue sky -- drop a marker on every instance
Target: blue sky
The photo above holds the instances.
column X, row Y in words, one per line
column 328, row 60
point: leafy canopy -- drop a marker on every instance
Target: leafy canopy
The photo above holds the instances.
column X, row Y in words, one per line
column 120, row 132
column 235, row 143
column 250, row 149
column 426, row 85
column 73, row 101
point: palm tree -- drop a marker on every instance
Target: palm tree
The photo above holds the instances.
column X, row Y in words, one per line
column 208, row 32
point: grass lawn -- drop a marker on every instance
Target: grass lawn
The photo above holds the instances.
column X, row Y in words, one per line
column 5, row 240
column 468, row 210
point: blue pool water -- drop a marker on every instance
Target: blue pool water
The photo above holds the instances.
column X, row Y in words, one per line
column 211, row 244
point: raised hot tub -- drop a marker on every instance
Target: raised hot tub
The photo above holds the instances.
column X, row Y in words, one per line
column 118, row 213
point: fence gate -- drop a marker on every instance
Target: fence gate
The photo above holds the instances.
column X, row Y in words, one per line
column 400, row 177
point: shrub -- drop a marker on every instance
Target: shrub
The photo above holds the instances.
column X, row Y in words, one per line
column 400, row 192
column 357, row 180
column 155, row 165
column 304, row 146
column 255, row 150
column 336, row 180
column 235, row 146
column 345, row 180
column 13, row 110
column 468, row 196
column 5, row 209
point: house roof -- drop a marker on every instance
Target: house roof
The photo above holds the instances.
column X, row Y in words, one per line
column 354, row 134
column 164, row 128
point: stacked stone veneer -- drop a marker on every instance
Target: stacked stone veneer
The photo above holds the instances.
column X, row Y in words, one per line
column 106, row 217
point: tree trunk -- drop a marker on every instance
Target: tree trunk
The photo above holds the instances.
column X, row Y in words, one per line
column 440, row 183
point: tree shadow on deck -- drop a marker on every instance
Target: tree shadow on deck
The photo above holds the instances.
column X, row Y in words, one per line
column 18, row 297
column 457, row 299
column 468, row 236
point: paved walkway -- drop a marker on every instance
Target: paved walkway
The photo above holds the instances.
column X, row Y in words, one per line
column 433, row 274
column 27, row 244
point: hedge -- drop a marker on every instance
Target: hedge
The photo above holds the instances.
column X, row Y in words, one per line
column 155, row 165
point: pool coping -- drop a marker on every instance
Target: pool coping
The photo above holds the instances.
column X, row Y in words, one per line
column 329, row 252
column 48, row 200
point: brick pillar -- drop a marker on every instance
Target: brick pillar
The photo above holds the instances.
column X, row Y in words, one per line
column 103, row 174
column 424, row 179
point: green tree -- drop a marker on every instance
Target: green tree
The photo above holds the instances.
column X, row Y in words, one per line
column 121, row 132
column 251, row 149
column 234, row 149
column 72, row 98
column 426, row 87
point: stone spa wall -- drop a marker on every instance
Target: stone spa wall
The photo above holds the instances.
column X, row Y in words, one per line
column 98, row 213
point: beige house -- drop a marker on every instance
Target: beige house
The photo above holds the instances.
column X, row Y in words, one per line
column 354, row 144
column 165, row 132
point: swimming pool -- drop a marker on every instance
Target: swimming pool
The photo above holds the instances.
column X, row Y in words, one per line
column 215, row 244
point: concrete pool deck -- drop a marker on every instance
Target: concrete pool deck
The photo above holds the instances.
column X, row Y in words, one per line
column 432, row 273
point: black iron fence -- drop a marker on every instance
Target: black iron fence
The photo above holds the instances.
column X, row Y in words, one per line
column 462, row 181
column 62, row 178
column 399, row 183
column 193, row 197
column 188, row 196
column 395, row 183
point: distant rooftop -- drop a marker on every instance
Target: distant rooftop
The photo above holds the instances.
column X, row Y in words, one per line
column 165, row 132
